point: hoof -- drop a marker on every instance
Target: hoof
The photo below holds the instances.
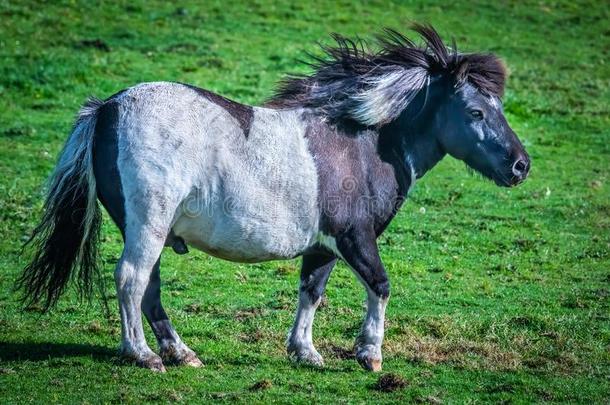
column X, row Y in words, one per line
column 191, row 361
column 151, row 362
column 369, row 359
column 184, row 357
column 309, row 357
column 370, row 364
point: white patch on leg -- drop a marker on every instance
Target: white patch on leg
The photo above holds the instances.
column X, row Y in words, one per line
column 370, row 339
column 131, row 282
column 368, row 343
column 372, row 329
column 300, row 341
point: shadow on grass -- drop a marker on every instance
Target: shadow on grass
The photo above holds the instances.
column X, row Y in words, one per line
column 37, row 351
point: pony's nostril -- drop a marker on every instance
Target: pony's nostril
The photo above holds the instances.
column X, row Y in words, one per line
column 520, row 168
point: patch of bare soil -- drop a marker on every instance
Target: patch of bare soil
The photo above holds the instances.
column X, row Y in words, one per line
column 390, row 382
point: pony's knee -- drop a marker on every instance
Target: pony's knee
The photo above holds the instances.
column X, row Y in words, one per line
column 313, row 293
column 123, row 273
column 130, row 278
column 381, row 289
column 314, row 288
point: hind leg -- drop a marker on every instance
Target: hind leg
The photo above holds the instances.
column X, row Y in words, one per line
column 142, row 250
column 172, row 349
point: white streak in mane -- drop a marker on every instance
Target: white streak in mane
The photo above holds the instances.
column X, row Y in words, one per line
column 387, row 95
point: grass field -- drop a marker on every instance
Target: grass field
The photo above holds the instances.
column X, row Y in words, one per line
column 498, row 295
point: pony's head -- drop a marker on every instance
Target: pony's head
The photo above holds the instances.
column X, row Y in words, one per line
column 468, row 119
column 453, row 99
column 470, row 126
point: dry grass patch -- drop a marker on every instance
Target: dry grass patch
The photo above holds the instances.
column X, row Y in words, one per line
column 341, row 352
column 459, row 352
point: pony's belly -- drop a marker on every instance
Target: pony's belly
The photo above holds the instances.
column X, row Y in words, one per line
column 245, row 240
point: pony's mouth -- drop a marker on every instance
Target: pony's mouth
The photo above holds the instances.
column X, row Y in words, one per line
column 499, row 177
column 496, row 176
column 506, row 180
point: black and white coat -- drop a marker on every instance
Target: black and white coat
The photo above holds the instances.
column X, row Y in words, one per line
column 176, row 164
column 319, row 172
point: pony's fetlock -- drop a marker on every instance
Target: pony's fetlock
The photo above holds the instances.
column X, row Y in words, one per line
column 180, row 355
column 147, row 359
column 305, row 355
column 369, row 357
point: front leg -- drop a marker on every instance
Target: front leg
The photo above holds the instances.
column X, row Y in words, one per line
column 315, row 271
column 358, row 248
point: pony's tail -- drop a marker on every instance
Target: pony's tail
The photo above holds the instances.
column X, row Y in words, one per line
column 65, row 242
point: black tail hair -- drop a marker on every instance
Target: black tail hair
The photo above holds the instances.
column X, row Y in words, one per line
column 66, row 240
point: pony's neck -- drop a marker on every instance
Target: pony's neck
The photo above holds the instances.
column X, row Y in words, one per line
column 413, row 136
column 421, row 152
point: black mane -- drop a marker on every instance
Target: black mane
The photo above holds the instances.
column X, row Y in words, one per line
column 350, row 71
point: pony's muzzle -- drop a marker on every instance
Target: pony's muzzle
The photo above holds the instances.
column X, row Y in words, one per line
column 520, row 169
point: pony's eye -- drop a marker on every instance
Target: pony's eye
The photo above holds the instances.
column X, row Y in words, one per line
column 476, row 114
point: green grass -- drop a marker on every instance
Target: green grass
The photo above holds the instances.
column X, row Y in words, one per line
column 498, row 295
